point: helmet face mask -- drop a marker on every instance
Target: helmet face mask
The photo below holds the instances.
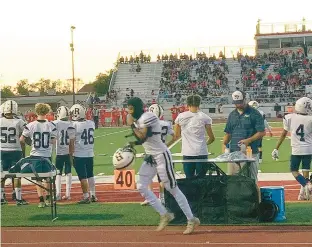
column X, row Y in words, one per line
column 63, row 112
column 77, row 112
column 157, row 110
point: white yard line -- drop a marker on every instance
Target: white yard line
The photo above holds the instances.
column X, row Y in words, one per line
column 112, row 133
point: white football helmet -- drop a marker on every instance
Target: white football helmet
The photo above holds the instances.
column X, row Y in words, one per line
column 124, row 158
column 62, row 112
column 254, row 104
column 157, row 110
column 77, row 112
column 304, row 105
column 10, row 106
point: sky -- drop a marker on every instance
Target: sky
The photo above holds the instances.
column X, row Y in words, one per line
column 35, row 34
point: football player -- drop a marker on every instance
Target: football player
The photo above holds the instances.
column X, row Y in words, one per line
column 65, row 132
column 299, row 124
column 42, row 134
column 82, row 150
column 256, row 105
column 147, row 130
column 11, row 147
column 166, row 129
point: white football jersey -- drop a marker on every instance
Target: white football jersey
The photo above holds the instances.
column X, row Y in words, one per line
column 153, row 145
column 65, row 132
column 193, row 131
column 300, row 128
column 166, row 129
column 41, row 132
column 11, row 130
column 84, row 138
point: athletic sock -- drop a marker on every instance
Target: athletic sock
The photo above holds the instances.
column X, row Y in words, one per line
column 85, row 195
column 91, row 182
column 18, row 192
column 58, row 184
column 41, row 199
column 2, row 193
column 68, row 184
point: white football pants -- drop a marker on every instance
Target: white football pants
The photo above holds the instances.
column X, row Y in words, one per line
column 163, row 166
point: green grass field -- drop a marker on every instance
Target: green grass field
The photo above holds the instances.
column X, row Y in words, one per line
column 101, row 214
column 108, row 140
column 105, row 214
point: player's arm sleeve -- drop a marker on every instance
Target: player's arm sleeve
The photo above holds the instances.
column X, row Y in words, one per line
column 266, row 125
column 286, row 123
column 26, row 131
column 53, row 130
column 146, row 122
column 170, row 129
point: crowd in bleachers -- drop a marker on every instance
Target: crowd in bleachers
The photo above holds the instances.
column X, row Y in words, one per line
column 276, row 76
column 141, row 58
column 202, row 75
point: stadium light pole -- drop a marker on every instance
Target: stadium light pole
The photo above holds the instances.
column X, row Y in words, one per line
column 72, row 28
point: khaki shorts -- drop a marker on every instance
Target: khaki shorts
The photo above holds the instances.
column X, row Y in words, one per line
column 233, row 168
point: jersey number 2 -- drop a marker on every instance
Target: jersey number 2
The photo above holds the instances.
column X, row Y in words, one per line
column 164, row 132
column 300, row 132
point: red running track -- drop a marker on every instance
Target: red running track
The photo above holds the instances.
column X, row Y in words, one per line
column 229, row 236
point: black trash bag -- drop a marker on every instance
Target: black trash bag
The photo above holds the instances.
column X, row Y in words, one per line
column 218, row 199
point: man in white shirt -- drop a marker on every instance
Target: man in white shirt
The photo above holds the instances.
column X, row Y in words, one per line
column 192, row 125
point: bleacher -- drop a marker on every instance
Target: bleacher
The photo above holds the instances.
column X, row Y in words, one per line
column 142, row 82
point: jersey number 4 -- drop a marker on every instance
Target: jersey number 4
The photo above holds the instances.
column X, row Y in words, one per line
column 300, row 132
column 87, row 136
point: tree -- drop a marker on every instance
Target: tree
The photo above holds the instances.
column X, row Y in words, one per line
column 22, row 87
column 43, row 85
column 101, row 84
column 6, row 92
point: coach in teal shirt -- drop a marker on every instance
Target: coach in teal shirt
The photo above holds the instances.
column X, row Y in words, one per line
column 245, row 125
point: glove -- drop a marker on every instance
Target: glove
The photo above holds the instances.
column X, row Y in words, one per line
column 275, row 154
